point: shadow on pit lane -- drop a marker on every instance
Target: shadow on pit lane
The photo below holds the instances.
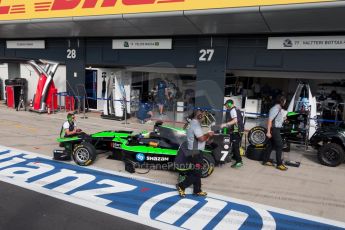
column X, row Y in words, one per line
column 312, row 156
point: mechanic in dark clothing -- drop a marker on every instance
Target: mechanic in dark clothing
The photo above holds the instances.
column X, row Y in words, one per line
column 274, row 124
column 190, row 167
column 162, row 95
column 145, row 112
column 235, row 124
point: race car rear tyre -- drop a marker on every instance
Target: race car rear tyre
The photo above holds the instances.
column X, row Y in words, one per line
column 331, row 154
column 257, row 136
column 208, row 164
column 84, row 154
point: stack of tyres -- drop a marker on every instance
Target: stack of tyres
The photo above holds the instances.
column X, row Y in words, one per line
column 255, row 153
column 258, row 140
column 16, row 81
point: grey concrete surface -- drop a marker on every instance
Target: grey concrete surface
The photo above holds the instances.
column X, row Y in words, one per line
column 311, row 189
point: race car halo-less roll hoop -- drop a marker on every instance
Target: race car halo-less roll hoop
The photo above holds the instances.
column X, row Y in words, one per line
column 45, row 86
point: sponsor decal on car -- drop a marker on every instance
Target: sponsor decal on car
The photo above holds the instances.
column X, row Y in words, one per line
column 151, row 158
column 140, row 157
column 144, row 201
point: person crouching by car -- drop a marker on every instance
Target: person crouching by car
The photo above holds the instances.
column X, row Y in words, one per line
column 274, row 124
column 69, row 128
column 145, row 112
column 189, row 160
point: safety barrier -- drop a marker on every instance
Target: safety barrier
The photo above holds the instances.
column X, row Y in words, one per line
column 71, row 99
column 69, row 102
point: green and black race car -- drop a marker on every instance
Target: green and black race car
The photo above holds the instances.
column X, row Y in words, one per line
column 329, row 141
column 295, row 130
column 159, row 147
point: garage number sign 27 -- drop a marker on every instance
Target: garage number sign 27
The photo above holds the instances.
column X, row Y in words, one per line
column 206, row 55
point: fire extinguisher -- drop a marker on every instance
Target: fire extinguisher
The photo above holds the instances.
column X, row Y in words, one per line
column 30, row 104
column 48, row 109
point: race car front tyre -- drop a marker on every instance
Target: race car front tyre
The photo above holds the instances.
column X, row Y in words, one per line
column 84, row 154
column 331, row 154
column 257, row 136
column 208, row 164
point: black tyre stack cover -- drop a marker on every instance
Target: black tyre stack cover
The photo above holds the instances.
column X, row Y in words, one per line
column 254, row 153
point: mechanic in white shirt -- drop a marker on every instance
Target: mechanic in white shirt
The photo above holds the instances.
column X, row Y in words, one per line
column 69, row 128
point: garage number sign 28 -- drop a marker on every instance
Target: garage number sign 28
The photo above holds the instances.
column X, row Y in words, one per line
column 71, row 54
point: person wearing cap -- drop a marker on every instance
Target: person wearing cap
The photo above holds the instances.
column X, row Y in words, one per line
column 232, row 123
column 196, row 140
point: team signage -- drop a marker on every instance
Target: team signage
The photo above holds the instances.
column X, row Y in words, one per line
column 312, row 42
column 144, row 201
column 142, row 44
column 25, row 44
column 24, row 9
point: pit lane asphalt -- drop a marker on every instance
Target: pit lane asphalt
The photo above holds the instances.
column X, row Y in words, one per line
column 312, row 188
column 24, row 209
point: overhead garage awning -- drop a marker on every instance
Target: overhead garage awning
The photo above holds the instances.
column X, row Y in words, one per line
column 291, row 18
column 289, row 75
